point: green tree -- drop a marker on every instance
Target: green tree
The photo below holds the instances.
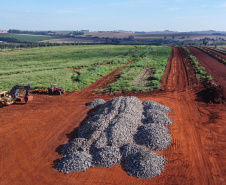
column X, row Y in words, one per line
column 205, row 42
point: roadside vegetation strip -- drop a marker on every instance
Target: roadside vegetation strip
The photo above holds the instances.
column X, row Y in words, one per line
column 200, row 70
column 153, row 58
column 212, row 55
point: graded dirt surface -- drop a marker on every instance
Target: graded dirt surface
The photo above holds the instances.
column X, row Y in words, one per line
column 30, row 136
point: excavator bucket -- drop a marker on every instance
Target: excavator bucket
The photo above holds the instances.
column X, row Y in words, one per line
column 28, row 98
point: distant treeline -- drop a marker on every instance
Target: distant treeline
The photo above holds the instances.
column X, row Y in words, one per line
column 71, row 34
column 42, row 44
column 30, row 32
column 34, row 45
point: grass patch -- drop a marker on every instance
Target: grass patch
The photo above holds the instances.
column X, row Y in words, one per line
column 60, row 57
column 42, row 66
column 150, row 57
column 28, row 38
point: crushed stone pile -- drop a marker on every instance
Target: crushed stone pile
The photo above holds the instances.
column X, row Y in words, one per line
column 153, row 136
column 107, row 157
column 145, row 164
column 148, row 104
column 117, row 130
column 96, row 103
column 77, row 144
column 75, row 162
column 131, row 148
column 157, row 117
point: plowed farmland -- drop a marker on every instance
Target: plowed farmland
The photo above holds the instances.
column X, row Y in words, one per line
column 30, row 134
column 213, row 66
column 216, row 53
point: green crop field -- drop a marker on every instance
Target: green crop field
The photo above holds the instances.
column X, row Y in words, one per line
column 28, row 38
column 75, row 67
column 151, row 58
column 42, row 66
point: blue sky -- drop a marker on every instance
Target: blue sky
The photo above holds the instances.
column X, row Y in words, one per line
column 94, row 15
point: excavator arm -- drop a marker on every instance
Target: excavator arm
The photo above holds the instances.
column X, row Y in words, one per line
column 13, row 92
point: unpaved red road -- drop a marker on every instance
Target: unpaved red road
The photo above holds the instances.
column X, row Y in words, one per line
column 30, row 134
column 213, row 66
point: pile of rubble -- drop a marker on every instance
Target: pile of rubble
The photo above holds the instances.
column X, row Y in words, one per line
column 122, row 129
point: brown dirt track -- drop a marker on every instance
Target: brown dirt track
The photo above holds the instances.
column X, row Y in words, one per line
column 30, row 134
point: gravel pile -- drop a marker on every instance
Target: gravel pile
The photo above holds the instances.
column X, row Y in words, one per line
column 96, row 103
column 153, row 136
column 106, row 157
column 77, row 144
column 121, row 129
column 114, row 123
column 148, row 104
column 75, row 162
column 131, row 148
column 157, row 117
column 144, row 164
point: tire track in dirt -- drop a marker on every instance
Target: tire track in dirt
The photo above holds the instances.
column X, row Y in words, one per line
column 177, row 77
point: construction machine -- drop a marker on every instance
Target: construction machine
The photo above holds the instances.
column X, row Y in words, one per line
column 55, row 90
column 5, row 98
column 15, row 95
column 8, row 98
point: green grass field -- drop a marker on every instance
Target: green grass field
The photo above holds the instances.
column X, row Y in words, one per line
column 29, row 38
column 75, row 67
column 42, row 66
column 153, row 58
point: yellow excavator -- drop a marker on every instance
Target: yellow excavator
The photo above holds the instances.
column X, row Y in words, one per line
column 5, row 98
column 8, row 98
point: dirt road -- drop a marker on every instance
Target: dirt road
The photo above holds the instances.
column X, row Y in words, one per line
column 30, row 135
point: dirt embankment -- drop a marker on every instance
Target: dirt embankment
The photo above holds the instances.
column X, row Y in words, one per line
column 31, row 134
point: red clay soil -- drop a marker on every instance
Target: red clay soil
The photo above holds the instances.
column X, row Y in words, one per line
column 31, row 133
column 213, row 66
